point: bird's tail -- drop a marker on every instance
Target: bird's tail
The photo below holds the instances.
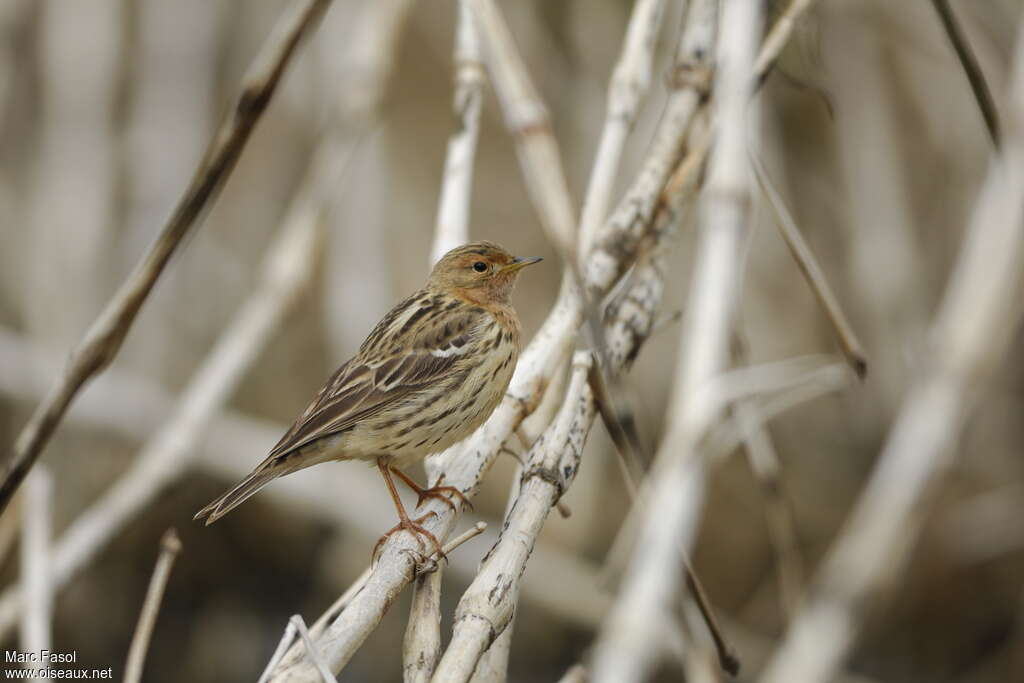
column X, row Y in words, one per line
column 238, row 495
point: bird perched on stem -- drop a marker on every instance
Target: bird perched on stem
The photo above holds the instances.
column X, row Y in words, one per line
column 429, row 374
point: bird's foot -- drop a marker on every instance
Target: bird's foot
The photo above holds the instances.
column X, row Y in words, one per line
column 435, row 491
column 442, row 492
column 414, row 526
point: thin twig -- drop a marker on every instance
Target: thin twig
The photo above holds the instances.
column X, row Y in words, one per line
column 170, row 546
column 104, row 338
column 325, row 675
column 290, row 631
column 980, row 313
column 778, row 37
column 812, row 271
column 728, row 660
column 971, row 67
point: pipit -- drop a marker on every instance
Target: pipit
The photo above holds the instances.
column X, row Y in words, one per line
column 426, row 377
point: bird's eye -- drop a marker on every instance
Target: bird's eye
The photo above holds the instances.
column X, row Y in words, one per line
column 479, row 266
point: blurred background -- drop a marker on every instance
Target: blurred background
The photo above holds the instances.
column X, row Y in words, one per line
column 869, row 130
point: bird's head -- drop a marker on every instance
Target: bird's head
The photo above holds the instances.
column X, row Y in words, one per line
column 481, row 272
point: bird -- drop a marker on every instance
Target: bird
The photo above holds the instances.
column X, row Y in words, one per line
column 426, row 377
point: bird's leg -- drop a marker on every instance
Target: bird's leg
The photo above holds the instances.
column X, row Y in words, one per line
column 412, row 525
column 435, row 491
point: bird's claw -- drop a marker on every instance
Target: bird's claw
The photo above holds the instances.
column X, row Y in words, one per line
column 413, row 526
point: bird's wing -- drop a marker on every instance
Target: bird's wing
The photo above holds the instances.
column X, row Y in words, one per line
column 416, row 344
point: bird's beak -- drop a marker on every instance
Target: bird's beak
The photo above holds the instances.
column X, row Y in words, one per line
column 519, row 262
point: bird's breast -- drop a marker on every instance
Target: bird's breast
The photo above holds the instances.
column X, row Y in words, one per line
column 450, row 409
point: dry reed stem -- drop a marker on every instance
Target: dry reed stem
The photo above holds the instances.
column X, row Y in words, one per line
column 812, row 271
column 170, row 547
column 421, row 647
column 36, row 530
column 104, row 338
column 493, row 665
column 626, row 645
column 629, row 84
column 286, row 273
column 630, row 219
column 452, row 225
column 486, row 607
column 307, row 643
column 971, row 66
column 980, row 312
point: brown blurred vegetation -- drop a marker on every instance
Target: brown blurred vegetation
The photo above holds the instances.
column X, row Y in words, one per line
column 869, row 130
